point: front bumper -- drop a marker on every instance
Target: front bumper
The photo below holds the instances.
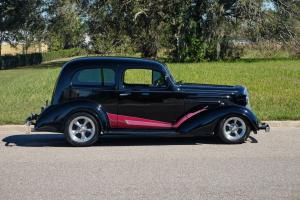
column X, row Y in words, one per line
column 264, row 126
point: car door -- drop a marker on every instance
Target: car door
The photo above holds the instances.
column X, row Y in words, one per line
column 146, row 100
column 95, row 83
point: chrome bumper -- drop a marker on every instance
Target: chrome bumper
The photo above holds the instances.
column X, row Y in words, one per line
column 31, row 120
column 264, row 126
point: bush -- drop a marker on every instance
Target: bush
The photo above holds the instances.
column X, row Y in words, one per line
column 9, row 61
column 230, row 50
column 194, row 50
column 48, row 56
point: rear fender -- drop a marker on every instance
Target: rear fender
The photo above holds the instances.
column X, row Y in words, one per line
column 206, row 121
column 54, row 117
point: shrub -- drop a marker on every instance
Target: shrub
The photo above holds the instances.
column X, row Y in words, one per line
column 62, row 54
column 193, row 50
column 230, row 50
column 10, row 61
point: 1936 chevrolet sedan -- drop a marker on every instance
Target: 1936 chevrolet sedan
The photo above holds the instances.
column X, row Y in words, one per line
column 95, row 96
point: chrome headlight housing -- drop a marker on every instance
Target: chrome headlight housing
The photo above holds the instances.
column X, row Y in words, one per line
column 246, row 93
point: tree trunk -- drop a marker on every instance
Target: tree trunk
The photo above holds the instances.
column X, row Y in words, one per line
column 149, row 51
column 1, row 40
column 23, row 49
column 218, row 50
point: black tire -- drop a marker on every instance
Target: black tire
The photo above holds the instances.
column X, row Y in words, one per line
column 226, row 138
column 93, row 137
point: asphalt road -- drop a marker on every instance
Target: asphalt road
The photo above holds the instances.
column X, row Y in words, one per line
column 43, row 166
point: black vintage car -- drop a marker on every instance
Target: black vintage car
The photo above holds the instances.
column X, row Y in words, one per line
column 96, row 96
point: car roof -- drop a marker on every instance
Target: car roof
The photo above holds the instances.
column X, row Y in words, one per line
column 113, row 59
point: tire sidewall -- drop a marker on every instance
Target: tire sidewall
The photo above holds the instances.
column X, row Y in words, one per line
column 221, row 133
column 93, row 140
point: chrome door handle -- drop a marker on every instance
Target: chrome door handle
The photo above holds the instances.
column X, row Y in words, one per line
column 145, row 93
column 124, row 94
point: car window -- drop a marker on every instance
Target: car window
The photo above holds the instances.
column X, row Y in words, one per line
column 144, row 77
column 138, row 77
column 108, row 77
column 94, row 76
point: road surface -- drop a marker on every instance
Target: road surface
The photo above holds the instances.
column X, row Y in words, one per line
column 44, row 166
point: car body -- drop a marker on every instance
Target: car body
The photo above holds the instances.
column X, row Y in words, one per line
column 132, row 96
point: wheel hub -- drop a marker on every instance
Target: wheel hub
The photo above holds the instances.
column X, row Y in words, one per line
column 82, row 129
column 234, row 128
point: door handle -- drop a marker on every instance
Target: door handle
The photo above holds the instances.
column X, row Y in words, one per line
column 145, row 93
column 125, row 94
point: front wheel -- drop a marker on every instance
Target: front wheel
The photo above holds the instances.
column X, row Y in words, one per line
column 233, row 130
column 82, row 130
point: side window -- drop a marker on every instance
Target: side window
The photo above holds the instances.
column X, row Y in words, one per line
column 94, row 76
column 143, row 77
column 108, row 77
column 138, row 77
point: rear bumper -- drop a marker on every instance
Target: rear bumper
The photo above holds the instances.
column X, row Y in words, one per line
column 34, row 124
column 34, row 128
column 264, row 126
column 31, row 120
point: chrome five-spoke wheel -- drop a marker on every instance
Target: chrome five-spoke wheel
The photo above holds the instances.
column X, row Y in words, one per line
column 233, row 129
column 81, row 130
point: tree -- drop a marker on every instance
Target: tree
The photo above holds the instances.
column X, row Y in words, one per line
column 287, row 23
column 20, row 21
column 11, row 19
column 110, row 25
column 186, row 30
column 117, row 25
column 34, row 26
column 65, row 26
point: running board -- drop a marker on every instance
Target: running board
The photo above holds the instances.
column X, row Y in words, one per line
column 142, row 132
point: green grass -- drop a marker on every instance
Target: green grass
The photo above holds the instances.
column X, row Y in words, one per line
column 274, row 86
column 267, row 54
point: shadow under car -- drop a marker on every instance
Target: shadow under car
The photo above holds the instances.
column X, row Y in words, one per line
column 58, row 140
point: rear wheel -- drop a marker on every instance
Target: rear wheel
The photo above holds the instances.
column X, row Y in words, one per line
column 81, row 130
column 233, row 130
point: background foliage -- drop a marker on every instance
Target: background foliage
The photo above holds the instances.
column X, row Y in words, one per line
column 178, row 30
column 9, row 61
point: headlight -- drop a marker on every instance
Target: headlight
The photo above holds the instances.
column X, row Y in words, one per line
column 247, row 98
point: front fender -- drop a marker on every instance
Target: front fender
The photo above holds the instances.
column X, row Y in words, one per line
column 206, row 122
column 53, row 118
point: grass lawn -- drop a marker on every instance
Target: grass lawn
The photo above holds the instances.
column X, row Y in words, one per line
column 274, row 86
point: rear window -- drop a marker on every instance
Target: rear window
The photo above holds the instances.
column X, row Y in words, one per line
column 94, row 76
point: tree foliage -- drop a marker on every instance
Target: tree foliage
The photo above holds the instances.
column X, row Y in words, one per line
column 183, row 30
column 18, row 19
column 65, row 26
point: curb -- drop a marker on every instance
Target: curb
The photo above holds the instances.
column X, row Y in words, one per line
column 273, row 124
column 284, row 124
column 13, row 129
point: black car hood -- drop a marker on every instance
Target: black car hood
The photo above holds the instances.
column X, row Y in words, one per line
column 210, row 88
